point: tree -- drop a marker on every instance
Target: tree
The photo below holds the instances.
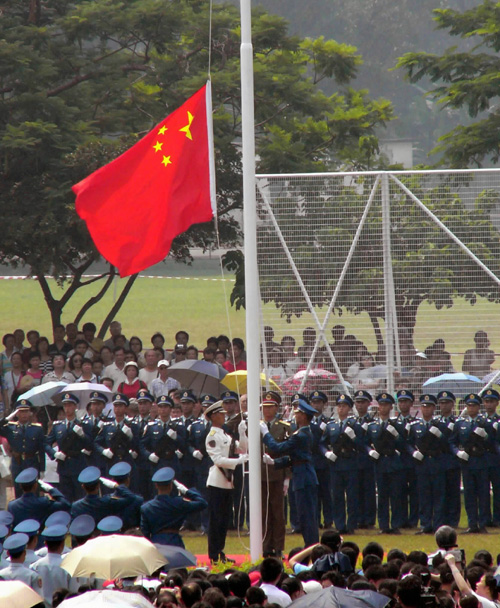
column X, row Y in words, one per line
column 81, row 81
column 465, row 78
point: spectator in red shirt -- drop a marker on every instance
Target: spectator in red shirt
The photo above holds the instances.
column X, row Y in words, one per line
column 234, row 361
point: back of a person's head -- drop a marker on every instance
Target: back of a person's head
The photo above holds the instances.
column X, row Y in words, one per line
column 319, row 551
column 291, row 585
column 469, row 601
column 363, row 584
column 352, row 578
column 406, row 568
column 332, row 539
column 214, row 597
column 375, row 573
column 351, row 554
column 397, row 554
column 235, row 602
column 484, row 556
column 239, row 582
column 408, row 591
column 445, row 600
column 445, row 574
column 190, row 594
column 390, row 585
column 296, row 550
column 370, row 560
column 335, row 578
column 270, row 569
column 255, row 595
column 373, row 548
column 393, row 568
column 446, row 537
column 418, row 557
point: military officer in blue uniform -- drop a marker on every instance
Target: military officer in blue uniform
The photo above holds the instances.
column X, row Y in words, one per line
column 339, row 444
column 163, row 438
column 95, row 420
column 162, row 517
column 117, row 441
column 296, row 451
column 386, row 442
column 101, row 506
column 319, row 401
column 32, row 506
column 71, row 437
column 196, row 447
column 367, row 502
column 427, row 445
column 491, row 397
column 188, row 463
column 405, row 401
column 121, row 473
column 142, row 483
column 453, row 506
column 26, row 440
column 470, row 442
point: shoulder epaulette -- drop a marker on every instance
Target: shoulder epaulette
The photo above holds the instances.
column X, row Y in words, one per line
column 36, row 424
column 152, row 422
column 283, row 422
column 212, row 432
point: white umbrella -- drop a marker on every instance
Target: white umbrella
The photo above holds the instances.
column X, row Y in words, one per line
column 43, row 394
column 105, row 598
column 82, row 390
column 114, row 556
column 16, row 594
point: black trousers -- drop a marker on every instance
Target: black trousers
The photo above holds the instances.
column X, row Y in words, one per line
column 220, row 503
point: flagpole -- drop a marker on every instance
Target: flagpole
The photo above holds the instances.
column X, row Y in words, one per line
column 252, row 302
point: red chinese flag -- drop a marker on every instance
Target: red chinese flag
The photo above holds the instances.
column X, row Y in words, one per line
column 136, row 205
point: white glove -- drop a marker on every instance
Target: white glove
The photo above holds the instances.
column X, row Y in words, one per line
column 78, row 430
column 100, row 424
column 180, row 487
column 322, row 426
column 417, row 454
column 46, row 487
column 242, row 458
column 198, row 455
column 364, row 426
column 179, row 454
column 266, row 459
column 242, row 427
column 435, row 431
column 286, row 485
column 495, row 426
column 108, row 453
column 153, row 458
column 133, row 453
column 60, row 455
column 451, row 426
column 11, row 416
column 331, row 456
column 127, row 431
column 86, row 452
column 481, row 432
column 263, row 428
column 349, row 432
column 463, row 455
column 392, row 430
column 172, row 434
column 107, row 483
column 374, row 454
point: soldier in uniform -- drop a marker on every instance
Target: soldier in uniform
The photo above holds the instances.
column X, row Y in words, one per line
column 15, row 546
column 234, row 417
column 71, row 437
column 274, row 481
column 32, row 506
column 49, row 567
column 405, row 400
column 95, row 420
column 188, row 463
column 26, row 440
column 367, row 503
column 470, row 443
column 30, row 527
column 164, row 438
column 121, row 474
column 427, row 445
column 163, row 516
column 339, row 444
column 491, row 397
column 452, row 507
column 220, row 481
column 197, row 435
column 116, row 441
column 142, row 484
column 296, row 451
column 386, row 442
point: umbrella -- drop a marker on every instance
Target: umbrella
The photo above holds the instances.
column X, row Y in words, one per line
column 114, row 556
column 317, row 380
column 107, row 597
column 493, row 376
column 177, row 557
column 459, row 384
column 335, row 597
column 237, row 382
column 200, row 376
column 42, row 395
column 16, row 594
column 82, row 390
column 376, row 371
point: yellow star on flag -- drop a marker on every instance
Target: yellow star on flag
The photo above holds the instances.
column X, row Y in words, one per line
column 166, row 161
column 157, row 146
column 186, row 128
column 162, row 130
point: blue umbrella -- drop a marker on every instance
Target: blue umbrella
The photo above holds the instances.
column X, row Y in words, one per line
column 177, row 557
column 335, row 597
column 459, row 384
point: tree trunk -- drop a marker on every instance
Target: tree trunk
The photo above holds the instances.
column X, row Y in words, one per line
column 378, row 332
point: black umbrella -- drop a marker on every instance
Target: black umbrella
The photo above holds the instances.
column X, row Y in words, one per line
column 177, row 556
column 334, row 597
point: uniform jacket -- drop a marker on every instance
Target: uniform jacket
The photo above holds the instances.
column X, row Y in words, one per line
column 26, row 442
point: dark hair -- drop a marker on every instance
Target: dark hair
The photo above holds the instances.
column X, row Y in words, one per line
column 215, row 597
column 223, row 337
column 137, row 339
column 351, row 554
column 89, row 326
column 373, row 548
column 60, row 326
column 71, row 363
column 491, row 582
column 408, row 591
column 270, row 569
column 375, row 573
column 86, row 360
column 239, row 343
column 33, row 354
column 157, row 335
column 318, row 551
column 58, row 355
column 469, row 601
column 363, row 584
column 473, row 575
column 78, row 342
column 392, row 568
column 335, row 578
column 446, row 537
column 220, row 582
column 192, row 347
column 445, row 574
column 239, row 582
column 485, row 556
column 256, row 595
column 332, row 539
column 389, row 585
column 291, row 585
column 418, row 557
column 118, row 348
column 190, row 594
column 32, row 331
column 182, row 331
column 4, row 339
column 370, row 560
column 42, row 339
column 396, row 554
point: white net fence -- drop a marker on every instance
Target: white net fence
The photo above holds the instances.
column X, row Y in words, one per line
column 379, row 281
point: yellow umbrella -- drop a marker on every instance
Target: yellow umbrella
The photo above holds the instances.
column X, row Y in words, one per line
column 16, row 594
column 114, row 556
column 237, row 382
